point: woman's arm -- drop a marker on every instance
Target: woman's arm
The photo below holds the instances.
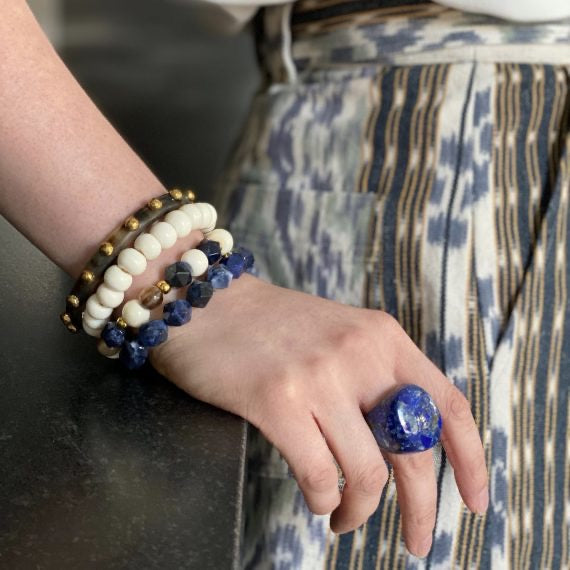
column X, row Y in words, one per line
column 67, row 178
column 296, row 366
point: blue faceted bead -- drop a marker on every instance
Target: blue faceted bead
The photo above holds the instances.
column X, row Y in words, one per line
column 133, row 354
column 212, row 250
column 407, row 420
column 219, row 276
column 199, row 293
column 113, row 335
column 177, row 313
column 153, row 333
column 247, row 256
column 178, row 274
column 235, row 262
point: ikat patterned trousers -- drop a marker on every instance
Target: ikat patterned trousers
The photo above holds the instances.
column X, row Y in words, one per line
column 414, row 159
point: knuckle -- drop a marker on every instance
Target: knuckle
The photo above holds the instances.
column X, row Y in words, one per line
column 316, row 363
column 319, row 479
column 371, row 479
column 283, row 387
column 389, row 324
column 352, row 338
column 323, row 505
column 458, row 407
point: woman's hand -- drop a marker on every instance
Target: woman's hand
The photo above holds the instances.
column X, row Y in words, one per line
column 299, row 367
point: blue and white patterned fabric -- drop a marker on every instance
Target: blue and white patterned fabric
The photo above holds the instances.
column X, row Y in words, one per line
column 410, row 158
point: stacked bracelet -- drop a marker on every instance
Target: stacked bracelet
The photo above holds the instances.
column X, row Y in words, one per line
column 132, row 261
column 109, row 274
column 108, row 251
column 133, row 349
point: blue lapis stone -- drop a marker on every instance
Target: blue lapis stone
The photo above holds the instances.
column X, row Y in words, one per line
column 235, row 262
column 133, row 355
column 407, row 420
column 212, row 250
column 199, row 293
column 247, row 256
column 113, row 335
column 153, row 333
column 219, row 276
column 177, row 313
column 178, row 274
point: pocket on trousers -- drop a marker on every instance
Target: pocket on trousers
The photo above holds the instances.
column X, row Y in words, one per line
column 307, row 240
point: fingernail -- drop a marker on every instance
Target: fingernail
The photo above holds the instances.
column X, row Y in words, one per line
column 482, row 502
column 425, row 547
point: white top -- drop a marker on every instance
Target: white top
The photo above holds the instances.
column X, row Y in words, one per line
column 515, row 10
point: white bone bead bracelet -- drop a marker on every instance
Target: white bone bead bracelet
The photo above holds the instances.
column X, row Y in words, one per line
column 223, row 237
column 213, row 219
column 194, row 213
column 96, row 310
column 109, row 297
column 164, row 233
column 134, row 313
column 148, row 245
column 207, row 215
column 197, row 261
column 180, row 222
column 117, row 279
column 132, row 261
column 92, row 331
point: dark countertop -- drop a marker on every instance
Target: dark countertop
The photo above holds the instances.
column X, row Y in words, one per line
column 100, row 468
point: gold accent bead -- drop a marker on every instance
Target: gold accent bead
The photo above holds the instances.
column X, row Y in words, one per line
column 65, row 319
column 176, row 194
column 163, row 286
column 106, row 248
column 71, row 328
column 190, row 195
column 132, row 224
column 121, row 323
column 87, row 276
column 155, row 204
column 73, row 300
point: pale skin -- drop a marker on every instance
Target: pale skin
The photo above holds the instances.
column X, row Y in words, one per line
column 296, row 366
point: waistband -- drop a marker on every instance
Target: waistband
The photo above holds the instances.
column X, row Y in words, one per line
column 323, row 34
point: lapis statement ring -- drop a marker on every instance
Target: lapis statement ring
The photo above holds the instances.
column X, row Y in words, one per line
column 405, row 421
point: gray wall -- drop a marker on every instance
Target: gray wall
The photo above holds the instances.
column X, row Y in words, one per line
column 174, row 86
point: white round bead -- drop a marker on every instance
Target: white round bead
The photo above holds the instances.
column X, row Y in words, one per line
column 135, row 314
column 223, row 237
column 92, row 326
column 207, row 216
column 148, row 245
column 117, row 279
column 131, row 261
column 91, row 331
column 109, row 297
column 164, row 233
column 96, row 310
column 214, row 218
column 180, row 222
column 197, row 261
column 193, row 212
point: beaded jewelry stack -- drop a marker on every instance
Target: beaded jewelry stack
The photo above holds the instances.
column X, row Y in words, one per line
column 102, row 285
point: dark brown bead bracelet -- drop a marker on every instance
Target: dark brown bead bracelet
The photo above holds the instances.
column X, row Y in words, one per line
column 107, row 253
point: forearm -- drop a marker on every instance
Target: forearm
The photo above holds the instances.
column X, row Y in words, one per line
column 67, row 178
